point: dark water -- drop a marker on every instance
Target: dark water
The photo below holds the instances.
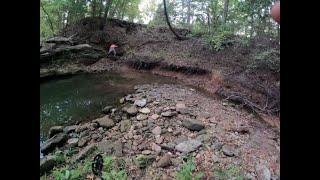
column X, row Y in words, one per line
column 81, row 97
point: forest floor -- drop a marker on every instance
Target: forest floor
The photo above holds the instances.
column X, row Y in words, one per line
column 240, row 130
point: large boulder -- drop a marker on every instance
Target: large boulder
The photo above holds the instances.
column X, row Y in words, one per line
column 84, row 153
column 55, row 130
column 56, row 141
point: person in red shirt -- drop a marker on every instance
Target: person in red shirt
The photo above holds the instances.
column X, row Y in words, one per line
column 112, row 49
column 275, row 12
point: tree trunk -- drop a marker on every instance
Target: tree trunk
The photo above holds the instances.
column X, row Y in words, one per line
column 225, row 11
column 168, row 21
column 94, row 8
column 49, row 20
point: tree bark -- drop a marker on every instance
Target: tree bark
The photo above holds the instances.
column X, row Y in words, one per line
column 225, row 11
column 168, row 21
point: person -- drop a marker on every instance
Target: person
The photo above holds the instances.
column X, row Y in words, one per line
column 275, row 12
column 112, row 49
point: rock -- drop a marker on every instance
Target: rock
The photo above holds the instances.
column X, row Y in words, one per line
column 132, row 110
column 188, row 146
column 203, row 131
column 111, row 148
column 215, row 158
column 81, row 128
column 107, row 109
column 84, row 153
column 142, row 161
column 125, row 125
column 228, row 150
column 156, row 130
column 141, row 117
column 155, row 116
column 105, row 122
column 56, row 141
column 155, row 147
column 95, row 136
column 168, row 113
column 55, row 130
column 164, row 161
column 170, row 129
column 121, row 101
column 262, row 172
column 70, row 129
column 146, row 152
column 83, row 141
column 204, row 138
column 193, row 124
column 176, row 133
column 159, row 139
column 145, row 110
column 206, row 115
column 180, row 139
column 217, row 146
column 169, row 147
column 47, row 164
column 84, row 133
column 117, row 148
column 73, row 142
column 181, row 108
column 140, row 103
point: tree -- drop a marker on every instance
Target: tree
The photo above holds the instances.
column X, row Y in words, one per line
column 168, row 21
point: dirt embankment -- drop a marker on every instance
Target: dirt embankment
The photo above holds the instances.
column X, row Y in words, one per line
column 226, row 72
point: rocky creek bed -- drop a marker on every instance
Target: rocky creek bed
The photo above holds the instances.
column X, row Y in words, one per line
column 158, row 126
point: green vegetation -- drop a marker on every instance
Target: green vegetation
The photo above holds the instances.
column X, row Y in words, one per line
column 186, row 171
column 111, row 171
column 231, row 172
column 269, row 59
column 72, row 173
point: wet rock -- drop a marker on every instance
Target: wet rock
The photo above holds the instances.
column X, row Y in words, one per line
column 155, row 116
column 145, row 110
column 168, row 113
column 47, row 164
column 107, row 109
column 140, row 102
column 188, row 146
column 73, row 142
column 84, row 153
column 142, row 161
column 55, row 130
column 83, row 141
column 125, row 125
column 132, row 110
column 142, row 117
column 229, row 150
column 56, row 141
column 262, row 172
column 105, row 122
column 164, row 161
column 156, row 130
column 70, row 129
column 129, row 98
column 192, row 124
